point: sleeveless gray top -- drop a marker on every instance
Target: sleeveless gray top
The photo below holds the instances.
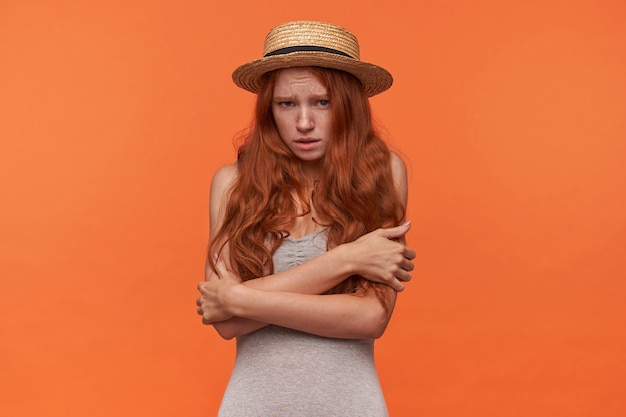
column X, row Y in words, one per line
column 284, row 373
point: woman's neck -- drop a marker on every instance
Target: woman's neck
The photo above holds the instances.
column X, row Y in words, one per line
column 312, row 170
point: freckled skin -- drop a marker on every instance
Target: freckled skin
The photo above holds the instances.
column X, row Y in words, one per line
column 302, row 113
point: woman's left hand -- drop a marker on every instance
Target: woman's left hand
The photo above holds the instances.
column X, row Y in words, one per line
column 214, row 293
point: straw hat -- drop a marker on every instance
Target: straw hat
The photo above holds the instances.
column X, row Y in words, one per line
column 306, row 43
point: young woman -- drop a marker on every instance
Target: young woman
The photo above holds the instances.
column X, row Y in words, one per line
column 307, row 232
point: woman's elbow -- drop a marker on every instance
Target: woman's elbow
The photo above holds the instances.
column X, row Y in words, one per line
column 376, row 323
column 236, row 327
column 379, row 327
column 226, row 332
column 379, row 314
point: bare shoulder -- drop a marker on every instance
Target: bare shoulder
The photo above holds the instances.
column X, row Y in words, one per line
column 398, row 166
column 400, row 178
column 224, row 178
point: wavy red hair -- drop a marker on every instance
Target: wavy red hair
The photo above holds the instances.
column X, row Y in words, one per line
column 354, row 195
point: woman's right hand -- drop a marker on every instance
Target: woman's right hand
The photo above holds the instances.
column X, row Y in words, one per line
column 379, row 256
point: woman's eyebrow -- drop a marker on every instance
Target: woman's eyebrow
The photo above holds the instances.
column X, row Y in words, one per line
column 284, row 98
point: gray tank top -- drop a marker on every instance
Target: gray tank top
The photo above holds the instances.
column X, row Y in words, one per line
column 283, row 372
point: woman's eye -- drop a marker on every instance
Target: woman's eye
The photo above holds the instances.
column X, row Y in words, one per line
column 324, row 103
column 285, row 103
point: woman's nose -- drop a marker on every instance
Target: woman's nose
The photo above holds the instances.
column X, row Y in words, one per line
column 305, row 120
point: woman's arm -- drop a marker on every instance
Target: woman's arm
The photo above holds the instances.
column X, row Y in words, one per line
column 364, row 257
column 349, row 316
column 314, row 277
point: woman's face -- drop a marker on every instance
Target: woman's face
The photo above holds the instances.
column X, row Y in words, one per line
column 302, row 113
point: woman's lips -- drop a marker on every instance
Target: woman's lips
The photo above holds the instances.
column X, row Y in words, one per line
column 306, row 144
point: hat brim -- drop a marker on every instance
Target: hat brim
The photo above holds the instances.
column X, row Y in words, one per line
column 375, row 79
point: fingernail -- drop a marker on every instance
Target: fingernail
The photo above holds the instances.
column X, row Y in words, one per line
column 407, row 223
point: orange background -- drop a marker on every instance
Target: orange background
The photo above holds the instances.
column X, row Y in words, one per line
column 114, row 116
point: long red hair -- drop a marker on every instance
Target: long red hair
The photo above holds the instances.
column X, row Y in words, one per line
column 354, row 195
